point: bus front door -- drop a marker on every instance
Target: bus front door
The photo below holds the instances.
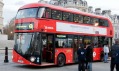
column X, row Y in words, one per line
column 48, row 48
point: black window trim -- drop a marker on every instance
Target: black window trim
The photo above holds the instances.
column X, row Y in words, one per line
column 91, row 17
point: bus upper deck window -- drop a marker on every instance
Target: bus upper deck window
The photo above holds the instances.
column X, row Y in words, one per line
column 47, row 13
column 106, row 23
column 56, row 14
column 78, row 18
column 86, row 19
column 67, row 16
column 95, row 20
column 41, row 12
column 27, row 13
column 103, row 23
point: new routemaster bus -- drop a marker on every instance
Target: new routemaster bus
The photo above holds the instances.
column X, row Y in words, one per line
column 50, row 35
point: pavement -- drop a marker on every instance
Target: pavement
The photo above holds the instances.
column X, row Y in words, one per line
column 97, row 66
column 6, row 43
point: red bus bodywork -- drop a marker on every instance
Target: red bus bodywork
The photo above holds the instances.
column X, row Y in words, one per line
column 50, row 26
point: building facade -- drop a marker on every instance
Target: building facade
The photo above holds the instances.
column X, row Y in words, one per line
column 1, row 18
column 115, row 21
column 78, row 4
column 42, row 1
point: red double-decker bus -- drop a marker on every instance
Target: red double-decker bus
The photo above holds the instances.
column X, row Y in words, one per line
column 50, row 35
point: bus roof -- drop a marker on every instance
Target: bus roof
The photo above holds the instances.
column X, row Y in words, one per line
column 32, row 5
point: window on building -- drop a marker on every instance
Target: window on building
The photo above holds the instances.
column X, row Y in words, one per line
column 56, row 14
column 116, row 27
column 67, row 16
column 78, row 18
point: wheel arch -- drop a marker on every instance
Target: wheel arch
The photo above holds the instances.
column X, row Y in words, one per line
column 64, row 56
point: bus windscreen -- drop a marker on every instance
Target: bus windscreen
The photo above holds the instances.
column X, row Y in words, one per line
column 25, row 43
column 27, row 13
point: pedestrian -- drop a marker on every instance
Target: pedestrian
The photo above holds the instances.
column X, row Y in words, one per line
column 117, row 61
column 89, row 56
column 106, row 51
column 81, row 58
column 115, row 56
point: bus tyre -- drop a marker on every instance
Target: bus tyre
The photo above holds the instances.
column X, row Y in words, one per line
column 61, row 60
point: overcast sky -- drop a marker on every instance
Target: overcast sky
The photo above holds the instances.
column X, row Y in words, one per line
column 11, row 6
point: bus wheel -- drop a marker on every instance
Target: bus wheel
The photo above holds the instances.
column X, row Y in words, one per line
column 61, row 60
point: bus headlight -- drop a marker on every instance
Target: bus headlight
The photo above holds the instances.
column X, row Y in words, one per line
column 32, row 59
